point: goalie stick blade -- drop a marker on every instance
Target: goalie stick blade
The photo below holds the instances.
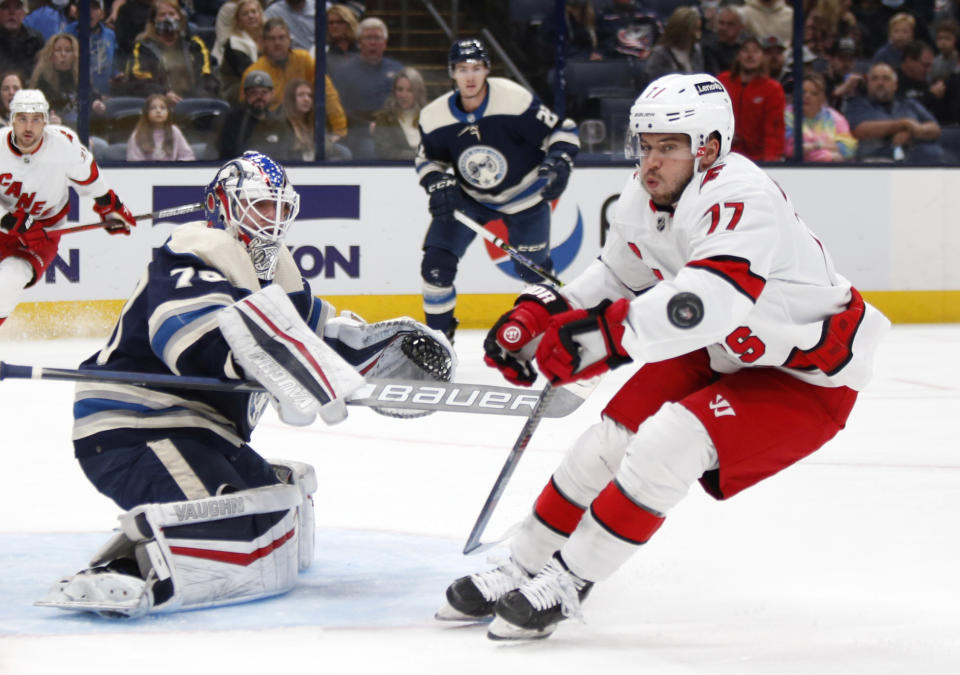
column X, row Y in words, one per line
column 459, row 397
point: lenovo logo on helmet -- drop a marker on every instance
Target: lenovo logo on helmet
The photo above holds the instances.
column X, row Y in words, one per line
column 709, row 88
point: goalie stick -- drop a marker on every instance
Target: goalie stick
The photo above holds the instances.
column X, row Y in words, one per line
column 409, row 394
column 153, row 215
column 505, row 247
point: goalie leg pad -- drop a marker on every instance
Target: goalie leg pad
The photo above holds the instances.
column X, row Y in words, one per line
column 273, row 345
column 304, row 477
column 220, row 550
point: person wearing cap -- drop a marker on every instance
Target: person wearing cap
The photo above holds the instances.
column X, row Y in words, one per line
column 774, row 51
column 103, row 47
column 842, row 79
column 251, row 125
column 39, row 163
column 758, row 105
column 19, row 44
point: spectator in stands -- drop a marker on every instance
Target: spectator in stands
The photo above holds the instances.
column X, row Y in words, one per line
column 900, row 33
column 300, row 114
column 581, row 27
column 251, row 125
column 103, row 48
column 678, row 50
column 46, row 18
column 874, row 17
column 774, row 51
column 299, row 17
column 396, row 131
column 156, row 138
column 280, row 60
column 769, row 17
column 130, row 21
column 19, row 44
column 889, row 127
column 826, row 133
column 720, row 48
column 55, row 74
column 365, row 83
column 840, row 74
column 913, row 74
column 626, row 28
column 223, row 26
column 10, row 84
column 243, row 46
column 945, row 63
column 342, row 28
column 758, row 105
column 167, row 61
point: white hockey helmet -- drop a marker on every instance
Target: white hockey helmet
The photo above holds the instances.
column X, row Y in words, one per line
column 251, row 198
column 693, row 104
column 30, row 101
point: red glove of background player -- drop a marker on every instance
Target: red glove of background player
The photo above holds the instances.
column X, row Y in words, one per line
column 581, row 343
column 116, row 217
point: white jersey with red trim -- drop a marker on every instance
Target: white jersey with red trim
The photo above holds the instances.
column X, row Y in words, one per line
column 38, row 182
column 732, row 268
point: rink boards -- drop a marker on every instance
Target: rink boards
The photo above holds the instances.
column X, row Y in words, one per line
column 358, row 240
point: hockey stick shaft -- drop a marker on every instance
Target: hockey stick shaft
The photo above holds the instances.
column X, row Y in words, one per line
column 385, row 393
column 505, row 247
column 473, row 544
column 153, row 215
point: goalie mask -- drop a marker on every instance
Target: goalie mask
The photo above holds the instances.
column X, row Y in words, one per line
column 251, row 198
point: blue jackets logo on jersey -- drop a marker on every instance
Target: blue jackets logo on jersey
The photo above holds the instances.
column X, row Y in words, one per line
column 482, row 166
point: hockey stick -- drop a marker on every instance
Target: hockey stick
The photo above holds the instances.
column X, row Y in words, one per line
column 473, row 544
column 154, row 215
column 385, row 393
column 505, row 247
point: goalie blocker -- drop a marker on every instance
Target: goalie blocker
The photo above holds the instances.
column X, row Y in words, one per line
column 229, row 548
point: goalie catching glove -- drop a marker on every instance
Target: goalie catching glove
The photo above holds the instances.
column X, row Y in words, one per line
column 580, row 344
column 509, row 345
column 116, row 217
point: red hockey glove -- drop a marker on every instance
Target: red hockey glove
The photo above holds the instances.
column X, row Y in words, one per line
column 583, row 343
column 506, row 342
column 15, row 221
column 116, row 217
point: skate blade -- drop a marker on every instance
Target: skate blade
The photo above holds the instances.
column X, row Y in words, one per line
column 504, row 630
column 449, row 613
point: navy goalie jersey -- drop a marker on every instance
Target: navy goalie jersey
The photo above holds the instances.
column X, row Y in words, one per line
column 169, row 326
column 494, row 151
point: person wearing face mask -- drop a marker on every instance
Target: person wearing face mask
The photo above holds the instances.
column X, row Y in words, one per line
column 165, row 60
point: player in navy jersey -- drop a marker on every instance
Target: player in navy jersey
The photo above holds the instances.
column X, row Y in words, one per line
column 209, row 521
column 491, row 149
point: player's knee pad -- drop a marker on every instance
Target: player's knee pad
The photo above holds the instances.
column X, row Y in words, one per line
column 438, row 266
column 669, row 452
column 592, row 461
column 15, row 274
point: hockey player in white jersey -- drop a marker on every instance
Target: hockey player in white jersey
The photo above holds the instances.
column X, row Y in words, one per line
column 208, row 521
column 753, row 349
column 39, row 162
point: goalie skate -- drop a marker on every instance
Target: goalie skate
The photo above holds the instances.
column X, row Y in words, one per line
column 533, row 611
column 100, row 590
column 472, row 598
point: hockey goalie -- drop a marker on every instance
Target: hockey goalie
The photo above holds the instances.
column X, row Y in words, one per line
column 207, row 521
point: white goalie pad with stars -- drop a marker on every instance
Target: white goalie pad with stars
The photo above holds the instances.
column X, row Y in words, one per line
column 220, row 550
column 275, row 347
column 400, row 348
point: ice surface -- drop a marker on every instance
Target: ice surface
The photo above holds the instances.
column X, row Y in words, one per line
column 845, row 563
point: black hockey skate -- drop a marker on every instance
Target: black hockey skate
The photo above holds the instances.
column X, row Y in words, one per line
column 533, row 610
column 471, row 598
